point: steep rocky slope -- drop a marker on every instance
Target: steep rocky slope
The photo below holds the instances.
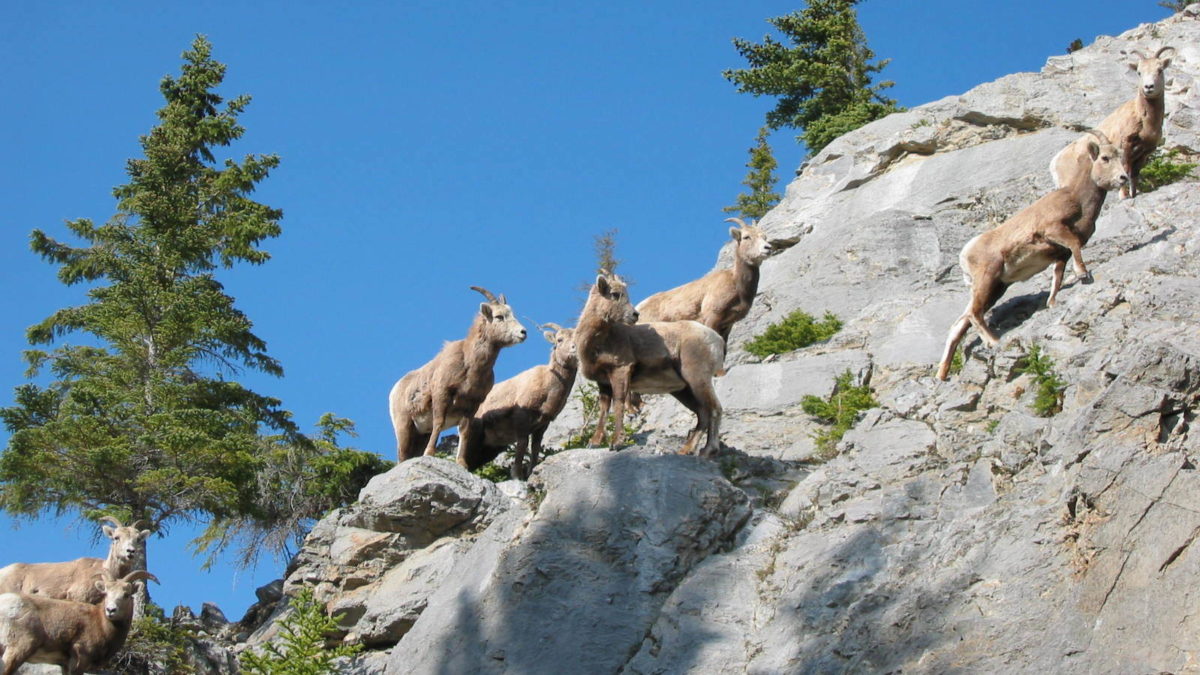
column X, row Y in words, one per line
column 954, row 531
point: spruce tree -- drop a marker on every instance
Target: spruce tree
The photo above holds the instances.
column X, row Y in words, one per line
column 760, row 180
column 141, row 417
column 822, row 80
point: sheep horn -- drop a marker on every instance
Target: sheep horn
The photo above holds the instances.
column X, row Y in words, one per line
column 738, row 221
column 138, row 575
column 1159, row 53
column 1138, row 54
column 137, row 524
column 111, row 519
column 553, row 326
column 1099, row 135
column 487, row 294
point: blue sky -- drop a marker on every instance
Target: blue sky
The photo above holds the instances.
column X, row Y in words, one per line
column 427, row 147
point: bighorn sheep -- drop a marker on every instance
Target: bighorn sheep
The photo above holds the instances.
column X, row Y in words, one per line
column 519, row 409
column 721, row 298
column 1135, row 127
column 447, row 390
column 1053, row 229
column 73, row 579
column 676, row 357
column 74, row 635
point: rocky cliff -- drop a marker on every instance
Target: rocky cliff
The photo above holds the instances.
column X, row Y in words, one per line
column 954, row 530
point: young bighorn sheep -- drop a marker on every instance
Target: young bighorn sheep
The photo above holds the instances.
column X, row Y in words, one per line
column 74, row 635
column 447, row 391
column 73, row 579
column 676, row 357
column 519, row 409
column 721, row 298
column 1051, row 230
column 1136, row 127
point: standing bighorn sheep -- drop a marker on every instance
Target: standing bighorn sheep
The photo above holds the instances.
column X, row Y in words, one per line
column 447, row 391
column 1135, row 127
column 74, row 635
column 1051, row 230
column 519, row 409
column 621, row 356
column 720, row 298
column 73, row 579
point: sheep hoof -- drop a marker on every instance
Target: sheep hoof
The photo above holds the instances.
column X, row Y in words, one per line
column 1086, row 279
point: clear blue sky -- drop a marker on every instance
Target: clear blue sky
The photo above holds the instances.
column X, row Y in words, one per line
column 426, row 147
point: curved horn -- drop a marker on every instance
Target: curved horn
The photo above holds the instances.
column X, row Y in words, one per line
column 1099, row 135
column 553, row 326
column 138, row 575
column 486, row 293
column 1138, row 54
column 111, row 519
column 138, row 524
column 1159, row 53
column 736, row 220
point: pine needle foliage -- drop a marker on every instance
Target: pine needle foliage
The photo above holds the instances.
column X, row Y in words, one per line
column 820, row 72
column 761, row 180
column 1048, row 395
column 796, row 331
column 840, row 411
column 142, row 416
column 155, row 645
column 300, row 647
column 1164, row 169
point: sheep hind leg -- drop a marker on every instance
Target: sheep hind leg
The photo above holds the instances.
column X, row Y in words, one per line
column 689, row 401
column 984, row 295
column 956, row 334
column 1056, row 282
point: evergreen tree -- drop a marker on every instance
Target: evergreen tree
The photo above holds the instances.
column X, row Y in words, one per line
column 1176, row 5
column 822, row 81
column 141, row 418
column 761, row 180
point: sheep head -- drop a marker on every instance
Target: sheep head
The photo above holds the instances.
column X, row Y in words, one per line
column 752, row 244
column 500, row 325
column 118, row 594
column 124, row 538
column 563, row 339
column 609, row 299
column 1108, row 166
column 1150, row 71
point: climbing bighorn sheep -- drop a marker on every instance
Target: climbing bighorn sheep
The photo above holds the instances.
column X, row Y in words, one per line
column 519, row 409
column 77, row 636
column 676, row 357
column 73, row 579
column 721, row 298
column 1051, row 230
column 447, row 391
column 1135, row 127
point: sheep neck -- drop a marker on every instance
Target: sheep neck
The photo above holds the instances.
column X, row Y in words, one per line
column 1090, row 198
column 745, row 280
column 592, row 333
column 480, row 351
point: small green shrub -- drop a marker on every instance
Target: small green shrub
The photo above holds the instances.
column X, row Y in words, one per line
column 1163, row 169
column 1048, row 395
column 839, row 411
column 991, row 425
column 798, row 329
column 956, row 363
column 155, row 644
column 300, row 648
column 589, row 399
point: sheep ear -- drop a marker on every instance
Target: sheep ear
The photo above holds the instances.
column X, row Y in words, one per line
column 100, row 586
column 602, row 285
column 108, row 531
column 549, row 337
column 143, row 535
column 486, row 310
column 1094, row 149
column 735, row 233
column 1166, row 62
column 1133, row 65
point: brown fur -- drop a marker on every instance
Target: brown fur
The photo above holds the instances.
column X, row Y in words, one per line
column 75, row 579
column 449, row 389
column 1052, row 230
column 676, row 357
column 1136, row 127
column 74, row 635
column 519, row 409
column 720, row 298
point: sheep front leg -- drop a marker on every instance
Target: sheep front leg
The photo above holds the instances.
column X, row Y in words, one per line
column 620, row 389
column 1064, row 236
column 604, row 401
column 438, row 420
column 535, row 449
column 1056, row 283
column 465, row 438
column 518, row 465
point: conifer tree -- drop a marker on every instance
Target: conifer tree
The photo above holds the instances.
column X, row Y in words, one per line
column 141, row 418
column 823, row 80
column 760, row 180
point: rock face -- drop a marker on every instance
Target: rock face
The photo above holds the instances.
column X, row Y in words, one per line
column 954, row 531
